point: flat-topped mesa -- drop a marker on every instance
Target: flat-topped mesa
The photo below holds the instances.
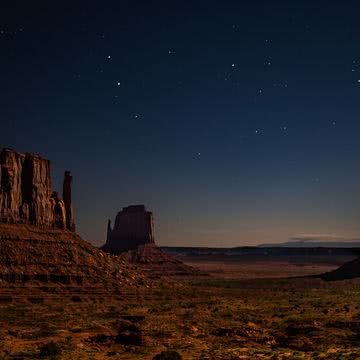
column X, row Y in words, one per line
column 133, row 237
column 134, row 226
column 25, row 192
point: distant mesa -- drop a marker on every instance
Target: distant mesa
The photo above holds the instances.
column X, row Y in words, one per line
column 134, row 226
column 26, row 196
column 133, row 237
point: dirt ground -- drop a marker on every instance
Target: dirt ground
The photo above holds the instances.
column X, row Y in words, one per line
column 240, row 311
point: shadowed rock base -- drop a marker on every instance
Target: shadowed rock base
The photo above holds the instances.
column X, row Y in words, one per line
column 156, row 262
column 349, row 270
column 29, row 253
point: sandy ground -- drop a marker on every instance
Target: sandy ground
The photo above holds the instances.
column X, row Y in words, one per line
column 241, row 310
column 264, row 268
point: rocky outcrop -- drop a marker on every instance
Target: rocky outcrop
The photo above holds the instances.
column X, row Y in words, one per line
column 31, row 253
column 154, row 261
column 67, row 201
column 133, row 237
column 349, row 270
column 134, row 226
column 26, row 196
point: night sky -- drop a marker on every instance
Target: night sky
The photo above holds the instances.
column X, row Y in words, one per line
column 235, row 122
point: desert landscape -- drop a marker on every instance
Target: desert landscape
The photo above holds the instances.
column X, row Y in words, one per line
column 62, row 298
column 215, row 316
column 180, row 180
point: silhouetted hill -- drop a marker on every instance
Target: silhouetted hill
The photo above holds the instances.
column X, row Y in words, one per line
column 349, row 270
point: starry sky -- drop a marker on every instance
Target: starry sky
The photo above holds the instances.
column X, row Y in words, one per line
column 235, row 122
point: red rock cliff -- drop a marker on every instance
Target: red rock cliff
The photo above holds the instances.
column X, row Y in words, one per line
column 26, row 195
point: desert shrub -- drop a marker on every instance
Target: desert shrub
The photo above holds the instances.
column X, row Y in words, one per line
column 159, row 308
column 226, row 313
column 128, row 333
column 35, row 300
column 50, row 350
column 5, row 299
column 168, row 355
column 188, row 305
column 159, row 334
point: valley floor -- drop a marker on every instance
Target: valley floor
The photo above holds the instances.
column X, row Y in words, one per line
column 210, row 317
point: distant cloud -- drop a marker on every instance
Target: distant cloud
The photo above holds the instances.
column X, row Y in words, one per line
column 321, row 237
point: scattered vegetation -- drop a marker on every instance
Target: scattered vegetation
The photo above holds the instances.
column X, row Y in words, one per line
column 50, row 350
column 204, row 319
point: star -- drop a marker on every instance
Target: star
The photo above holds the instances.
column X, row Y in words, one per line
column 109, row 57
column 118, row 84
column 232, row 65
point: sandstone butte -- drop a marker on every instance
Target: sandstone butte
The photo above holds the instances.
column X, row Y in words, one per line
column 38, row 241
column 26, row 196
column 133, row 236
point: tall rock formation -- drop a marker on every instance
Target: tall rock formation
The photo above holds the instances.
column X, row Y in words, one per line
column 133, row 236
column 67, row 201
column 33, row 244
column 133, row 226
column 25, row 192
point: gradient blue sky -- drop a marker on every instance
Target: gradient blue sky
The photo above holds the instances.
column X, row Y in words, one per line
column 235, row 122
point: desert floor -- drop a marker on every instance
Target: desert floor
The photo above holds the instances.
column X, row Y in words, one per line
column 241, row 310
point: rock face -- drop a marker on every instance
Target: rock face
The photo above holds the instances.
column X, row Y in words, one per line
column 26, row 196
column 134, row 226
column 133, row 237
column 67, row 201
column 34, row 246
